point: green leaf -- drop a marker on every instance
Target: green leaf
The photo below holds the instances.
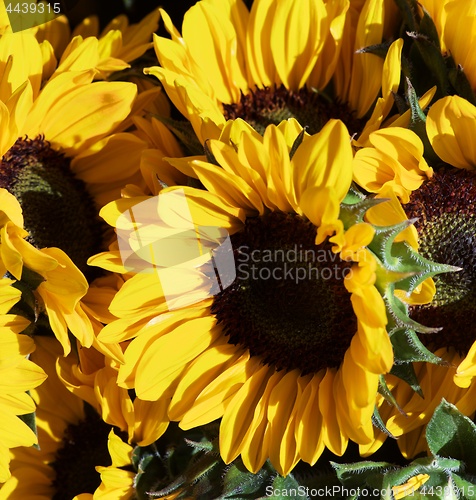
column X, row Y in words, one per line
column 439, row 470
column 355, row 474
column 451, row 434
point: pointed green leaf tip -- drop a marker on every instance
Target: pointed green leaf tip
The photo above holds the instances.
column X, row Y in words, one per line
column 418, row 123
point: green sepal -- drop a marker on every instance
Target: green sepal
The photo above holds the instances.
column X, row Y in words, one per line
column 184, row 133
column 451, row 434
column 205, row 445
column 208, row 153
column 30, row 420
column 408, row 9
column 428, row 29
column 400, row 264
column 400, row 313
column 418, row 123
column 297, row 142
column 32, row 279
column 353, row 208
column 408, row 348
column 460, row 83
column 380, row 49
column 378, row 422
column 406, row 372
column 139, row 454
column 417, row 116
column 28, row 306
column 432, row 58
column 384, row 391
column 353, row 196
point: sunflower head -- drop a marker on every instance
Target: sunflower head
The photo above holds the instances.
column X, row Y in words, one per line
column 299, row 331
column 278, row 61
column 41, row 180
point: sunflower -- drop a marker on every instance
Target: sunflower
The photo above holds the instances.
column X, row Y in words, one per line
column 58, row 148
column 276, row 61
column 110, row 50
column 393, row 161
column 93, row 378
column 76, row 446
column 253, row 354
column 18, row 376
column 72, row 440
column 441, row 200
column 116, row 480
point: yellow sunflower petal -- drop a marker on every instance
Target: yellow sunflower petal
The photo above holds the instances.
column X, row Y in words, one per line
column 94, row 110
column 214, row 399
column 309, row 422
column 328, row 160
column 239, row 414
column 297, row 37
column 451, row 127
column 191, row 338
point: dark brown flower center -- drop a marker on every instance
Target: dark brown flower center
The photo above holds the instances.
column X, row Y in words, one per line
column 446, row 225
column 83, row 448
column 288, row 303
column 57, row 209
column 271, row 105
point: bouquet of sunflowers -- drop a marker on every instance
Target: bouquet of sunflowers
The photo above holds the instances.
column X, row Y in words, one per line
column 238, row 257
